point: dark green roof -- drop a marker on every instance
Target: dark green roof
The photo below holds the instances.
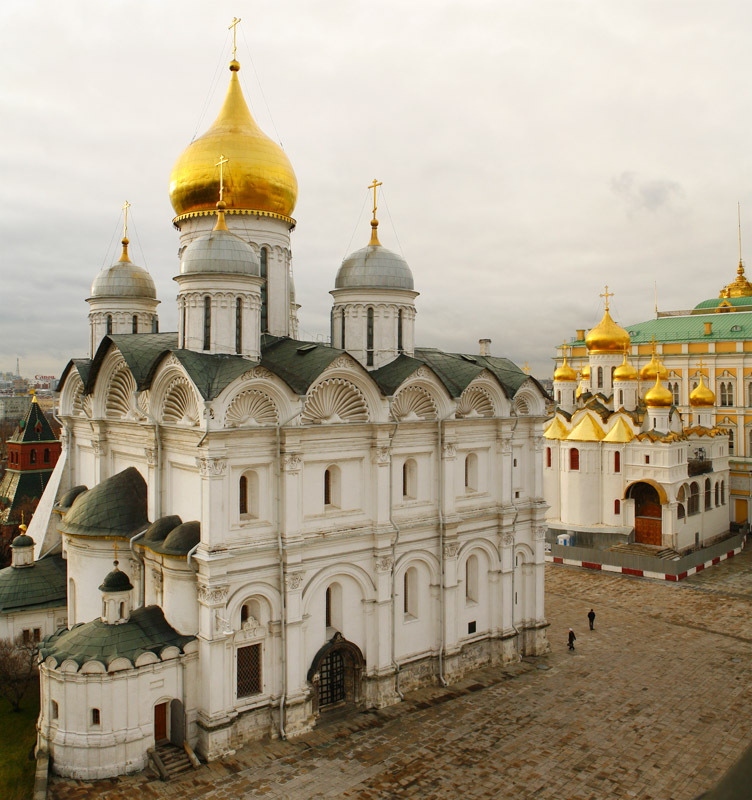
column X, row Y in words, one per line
column 169, row 536
column 114, row 507
column 67, row 498
column 297, row 363
column 116, row 581
column 42, row 585
column 141, row 351
column 81, row 365
column 391, row 376
column 146, row 630
column 159, row 529
column 34, row 427
column 212, row 373
column 22, row 541
column 16, row 488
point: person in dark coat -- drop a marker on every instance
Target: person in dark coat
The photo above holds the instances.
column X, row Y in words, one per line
column 591, row 618
column 572, row 637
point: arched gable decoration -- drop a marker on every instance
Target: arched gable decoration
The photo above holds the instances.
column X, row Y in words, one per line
column 251, row 407
column 475, row 402
column 414, row 403
column 119, row 401
column 180, row 406
column 335, row 400
column 657, row 486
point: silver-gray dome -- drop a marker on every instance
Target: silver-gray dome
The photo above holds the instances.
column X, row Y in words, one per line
column 124, row 279
column 374, row 267
column 219, row 251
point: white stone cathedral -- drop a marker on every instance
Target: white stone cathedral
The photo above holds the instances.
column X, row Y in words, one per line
column 296, row 526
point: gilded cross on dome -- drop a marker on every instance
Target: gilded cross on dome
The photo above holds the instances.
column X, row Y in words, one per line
column 607, row 294
column 126, row 205
column 374, row 222
column 701, row 364
column 222, row 161
column 526, row 368
column 233, row 27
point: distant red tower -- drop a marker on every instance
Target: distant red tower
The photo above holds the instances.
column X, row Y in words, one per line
column 33, row 452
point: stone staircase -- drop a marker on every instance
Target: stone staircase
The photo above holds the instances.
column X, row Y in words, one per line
column 170, row 760
column 650, row 550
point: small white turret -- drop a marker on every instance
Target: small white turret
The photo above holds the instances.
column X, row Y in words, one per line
column 116, row 591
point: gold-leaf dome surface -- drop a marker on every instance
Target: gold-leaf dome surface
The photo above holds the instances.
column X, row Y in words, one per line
column 653, row 369
column 565, row 372
column 585, row 373
column 659, row 396
column 607, row 337
column 625, row 371
column 257, row 177
column 702, row 395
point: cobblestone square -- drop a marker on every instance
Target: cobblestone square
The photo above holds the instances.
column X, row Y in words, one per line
column 655, row 704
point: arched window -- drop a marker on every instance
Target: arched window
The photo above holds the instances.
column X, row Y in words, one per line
column 471, row 472
column 134, row 323
column 694, row 497
column 33, row 456
column 723, row 493
column 264, row 272
column 250, row 609
column 400, row 348
column 207, row 323
column 155, row 325
column 410, row 593
column 109, row 324
column 343, row 329
column 617, row 461
column 409, row 479
column 675, row 392
column 558, row 395
column 332, row 487
column 621, row 397
column 600, row 377
column 731, row 441
column 54, row 710
column 574, row 459
column 122, row 611
column 71, row 602
column 333, row 606
column 239, row 325
column 716, row 494
column 680, row 511
column 617, row 507
column 613, row 369
column 95, row 716
column 46, row 455
column 471, row 579
column 548, row 456
column 708, row 503
column 182, row 344
column 369, row 338
column 248, row 495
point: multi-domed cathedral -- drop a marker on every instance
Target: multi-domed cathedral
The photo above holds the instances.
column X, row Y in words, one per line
column 294, row 526
column 622, row 465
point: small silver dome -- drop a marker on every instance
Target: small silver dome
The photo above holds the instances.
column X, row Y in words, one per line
column 219, row 251
column 124, row 279
column 374, row 267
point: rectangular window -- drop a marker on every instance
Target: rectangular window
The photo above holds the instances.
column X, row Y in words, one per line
column 647, row 459
column 37, row 635
column 471, row 627
column 249, row 670
column 207, row 323
column 26, row 636
column 617, row 462
column 369, row 338
column 54, row 710
column 95, row 716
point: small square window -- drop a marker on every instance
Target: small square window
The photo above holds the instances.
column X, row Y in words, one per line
column 471, row 627
column 516, row 495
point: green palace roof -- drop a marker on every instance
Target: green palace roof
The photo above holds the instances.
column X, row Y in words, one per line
column 147, row 630
column 42, row 585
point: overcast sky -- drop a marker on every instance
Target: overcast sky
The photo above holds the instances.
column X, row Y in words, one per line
column 531, row 151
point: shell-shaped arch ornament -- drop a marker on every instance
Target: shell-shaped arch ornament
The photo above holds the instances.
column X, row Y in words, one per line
column 335, row 400
column 180, row 406
column 475, row 402
column 120, row 394
column 414, row 403
column 250, row 408
column 77, row 396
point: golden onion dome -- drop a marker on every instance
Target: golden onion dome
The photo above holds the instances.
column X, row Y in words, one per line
column 258, row 175
column 625, row 371
column 607, row 337
column 565, row 372
column 702, row 395
column 653, row 369
column 585, row 373
column 659, row 396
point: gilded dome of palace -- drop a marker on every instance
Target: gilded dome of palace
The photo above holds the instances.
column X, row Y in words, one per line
column 585, row 372
column 565, row 372
column 607, row 337
column 258, row 175
column 702, row 395
column 652, row 369
column 625, row 371
column 124, row 279
column 659, row 396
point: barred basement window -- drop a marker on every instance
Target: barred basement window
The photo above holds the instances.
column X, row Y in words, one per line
column 249, row 670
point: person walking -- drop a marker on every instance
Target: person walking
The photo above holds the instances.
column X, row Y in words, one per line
column 572, row 637
column 591, row 618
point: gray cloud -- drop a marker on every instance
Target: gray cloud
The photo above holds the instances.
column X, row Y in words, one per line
column 647, row 195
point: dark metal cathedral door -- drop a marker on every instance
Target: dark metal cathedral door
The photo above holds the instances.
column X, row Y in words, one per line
column 332, row 679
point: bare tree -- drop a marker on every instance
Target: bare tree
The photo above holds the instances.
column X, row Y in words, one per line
column 18, row 668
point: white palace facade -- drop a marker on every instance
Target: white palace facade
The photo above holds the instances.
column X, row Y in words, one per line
column 296, row 526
